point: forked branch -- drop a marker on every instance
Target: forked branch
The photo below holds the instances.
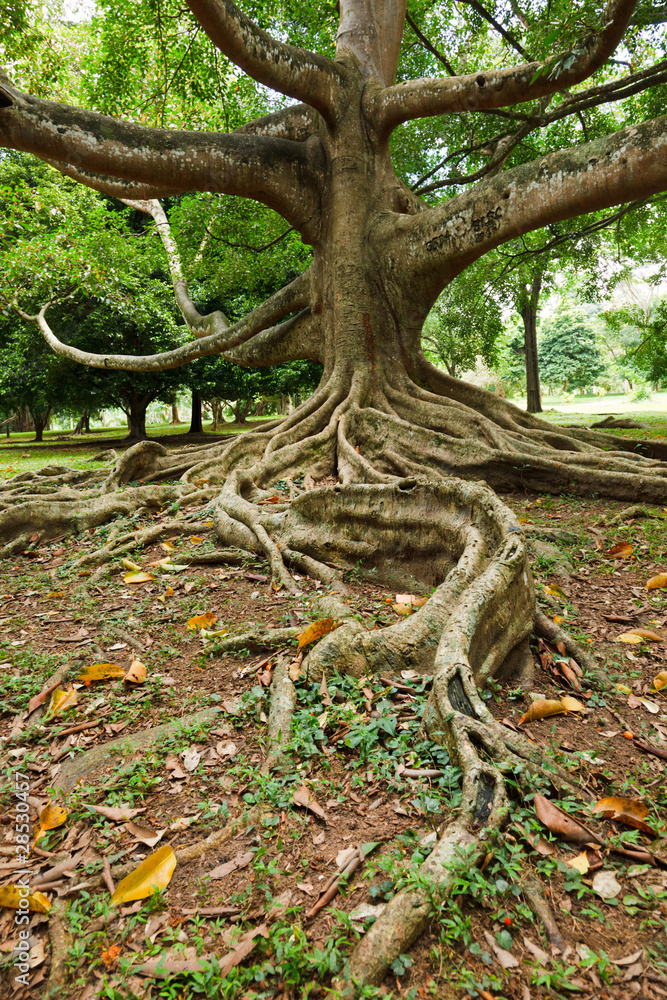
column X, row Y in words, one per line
column 506, row 87
column 307, row 76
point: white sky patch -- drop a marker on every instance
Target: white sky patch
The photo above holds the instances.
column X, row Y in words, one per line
column 78, row 10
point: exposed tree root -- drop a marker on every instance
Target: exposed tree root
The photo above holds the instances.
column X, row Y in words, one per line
column 398, row 516
column 61, row 941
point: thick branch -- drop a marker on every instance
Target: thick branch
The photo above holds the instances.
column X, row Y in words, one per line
column 371, row 32
column 305, row 75
column 297, row 123
column 290, row 298
column 277, row 172
column 504, row 88
column 442, row 241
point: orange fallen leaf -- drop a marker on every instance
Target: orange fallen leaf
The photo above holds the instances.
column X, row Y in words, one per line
column 136, row 674
column 622, row 550
column 657, row 581
column 543, row 708
column 152, row 874
column 660, row 680
column 110, row 957
column 630, row 812
column 100, row 672
column 202, row 621
column 196, row 540
column 402, row 609
column 316, row 631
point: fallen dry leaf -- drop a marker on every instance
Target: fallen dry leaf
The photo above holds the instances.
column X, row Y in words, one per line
column 316, row 631
column 60, row 702
column 646, row 633
column 504, row 958
column 100, row 672
column 631, row 637
column 11, row 895
column 202, row 621
column 51, row 817
column 543, row 708
column 117, row 814
column 606, row 885
column 240, row 861
column 562, row 824
column 622, row 550
column 630, row 812
column 138, row 577
column 660, row 680
column 302, row 797
column 136, row 674
column 144, row 834
column 128, row 564
column 657, row 581
column 153, row 873
column 580, row 863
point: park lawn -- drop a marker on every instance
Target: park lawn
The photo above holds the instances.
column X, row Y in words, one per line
column 356, row 747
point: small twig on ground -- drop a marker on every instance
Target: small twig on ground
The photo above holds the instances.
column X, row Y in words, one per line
column 106, row 875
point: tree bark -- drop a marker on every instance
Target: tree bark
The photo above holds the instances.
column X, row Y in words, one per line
column 135, row 411
column 196, row 426
column 175, row 419
column 528, row 308
column 41, row 423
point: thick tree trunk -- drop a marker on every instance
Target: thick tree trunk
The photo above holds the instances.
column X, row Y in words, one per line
column 529, row 315
column 241, row 409
column 136, row 417
column 196, row 426
column 175, row 419
column 83, row 423
column 41, row 424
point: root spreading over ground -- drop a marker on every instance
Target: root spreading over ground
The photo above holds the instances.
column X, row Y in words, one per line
column 411, row 508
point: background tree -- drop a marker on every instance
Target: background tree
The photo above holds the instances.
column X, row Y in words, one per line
column 569, row 354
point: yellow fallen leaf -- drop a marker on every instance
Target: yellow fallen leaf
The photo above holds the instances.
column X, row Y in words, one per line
column 202, row 621
column 136, row 674
column 138, row 577
column 544, row 707
column 196, row 540
column 580, row 863
column 555, row 591
column 628, row 637
column 622, row 689
column 660, row 680
column 128, row 564
column 11, row 895
column 100, row 672
column 571, row 704
column 152, row 874
column 316, row 631
column 646, row 633
column 402, row 609
column 657, row 581
column 167, row 546
column 169, row 592
column 51, row 816
column 60, row 701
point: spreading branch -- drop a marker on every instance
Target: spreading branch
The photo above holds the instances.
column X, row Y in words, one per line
column 442, row 241
column 299, row 73
column 261, row 321
column 279, row 173
column 504, row 88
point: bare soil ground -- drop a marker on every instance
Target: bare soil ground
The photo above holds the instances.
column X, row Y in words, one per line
column 370, row 780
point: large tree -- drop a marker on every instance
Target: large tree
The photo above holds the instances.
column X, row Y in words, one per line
column 394, row 429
